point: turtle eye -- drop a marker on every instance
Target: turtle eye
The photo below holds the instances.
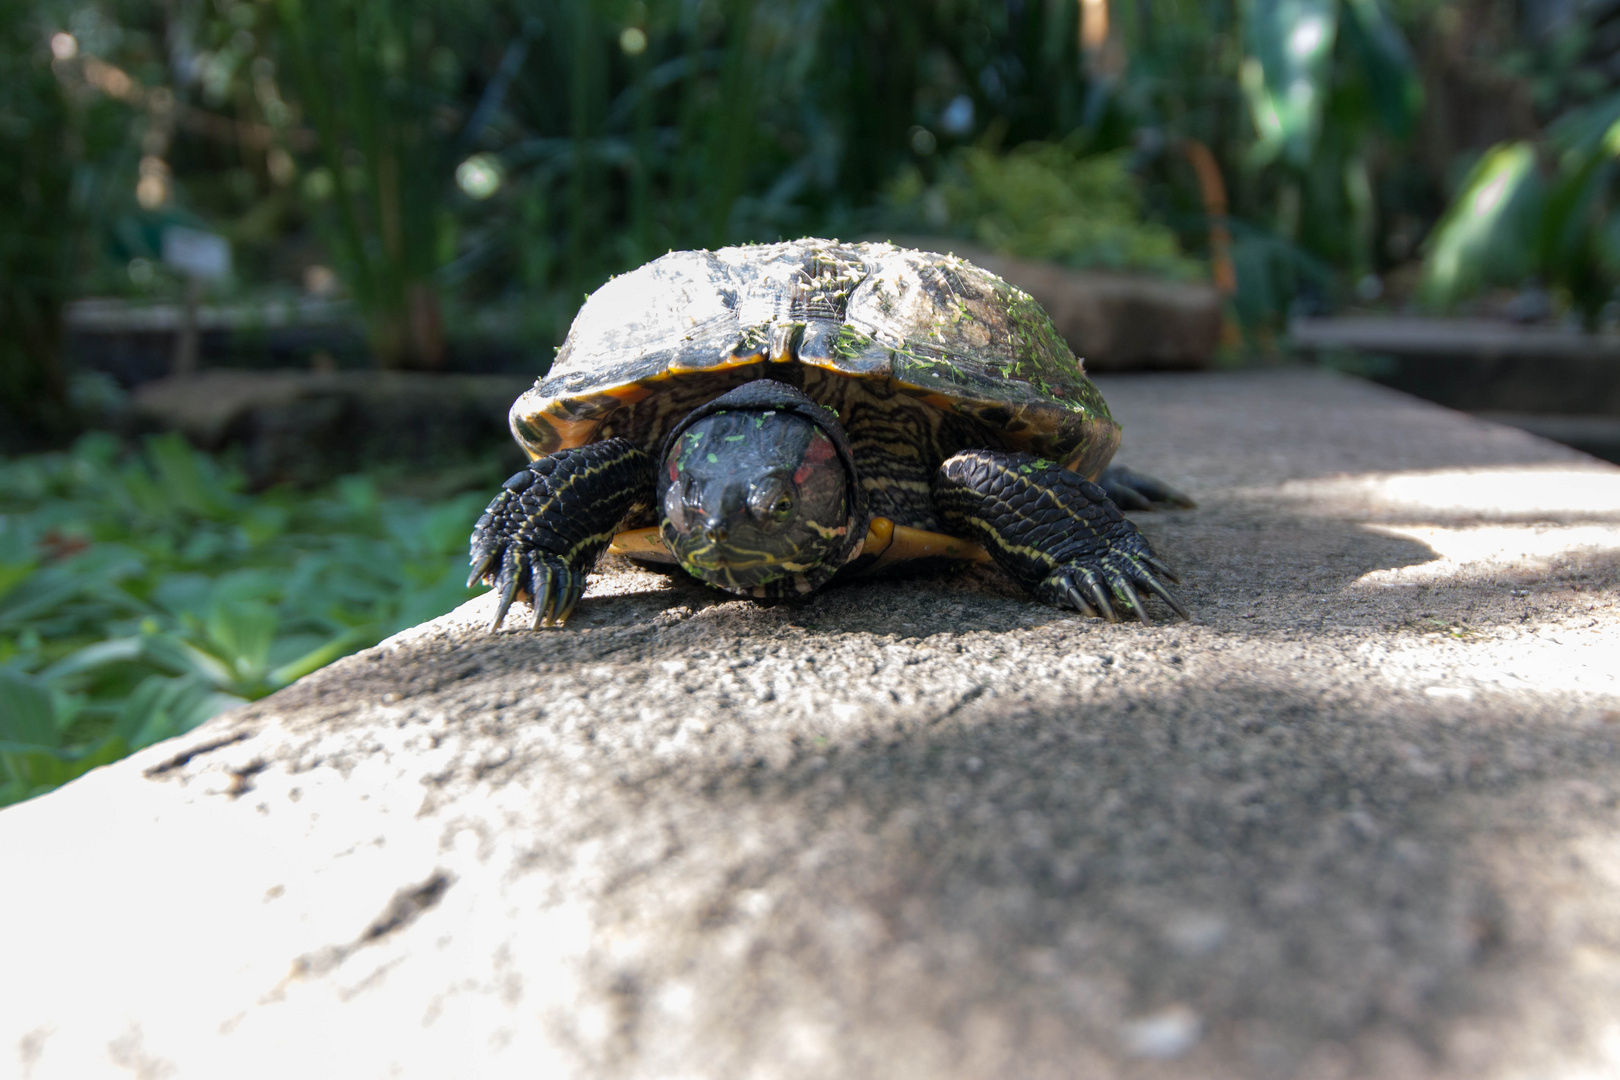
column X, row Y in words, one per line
column 675, row 507
column 771, row 501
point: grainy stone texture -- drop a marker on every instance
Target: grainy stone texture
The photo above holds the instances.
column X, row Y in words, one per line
column 1357, row 819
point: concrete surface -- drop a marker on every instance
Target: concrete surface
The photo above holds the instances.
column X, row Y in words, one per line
column 1357, row 819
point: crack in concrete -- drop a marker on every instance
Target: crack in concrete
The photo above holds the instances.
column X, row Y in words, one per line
column 182, row 759
column 407, row 904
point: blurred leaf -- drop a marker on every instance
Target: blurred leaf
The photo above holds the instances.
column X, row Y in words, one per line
column 33, row 770
column 38, row 593
column 1290, row 45
column 1584, row 131
column 340, row 646
column 13, row 574
column 161, row 708
column 188, row 480
column 1491, row 232
column 27, row 711
column 1607, row 240
column 1387, row 67
column 240, row 633
column 91, row 657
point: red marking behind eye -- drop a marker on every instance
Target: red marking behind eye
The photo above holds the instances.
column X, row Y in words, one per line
column 672, row 473
column 820, row 450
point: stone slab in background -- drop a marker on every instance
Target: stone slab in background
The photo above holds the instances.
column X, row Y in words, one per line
column 1478, row 364
column 1556, row 381
column 307, row 427
column 1358, row 819
column 1114, row 321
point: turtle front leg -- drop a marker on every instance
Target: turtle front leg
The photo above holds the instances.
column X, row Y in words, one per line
column 1054, row 532
column 543, row 533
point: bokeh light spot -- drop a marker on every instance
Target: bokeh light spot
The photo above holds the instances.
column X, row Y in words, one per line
column 479, row 176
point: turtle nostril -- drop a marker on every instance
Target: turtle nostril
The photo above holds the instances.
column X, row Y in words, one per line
column 714, row 532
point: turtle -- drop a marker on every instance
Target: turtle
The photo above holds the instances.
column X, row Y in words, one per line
column 771, row 416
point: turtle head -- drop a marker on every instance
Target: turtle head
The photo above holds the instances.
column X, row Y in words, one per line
column 757, row 492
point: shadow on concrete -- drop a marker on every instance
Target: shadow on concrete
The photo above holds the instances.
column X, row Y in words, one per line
column 1316, row 886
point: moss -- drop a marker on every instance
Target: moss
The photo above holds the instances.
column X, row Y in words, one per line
column 850, row 343
column 1043, row 201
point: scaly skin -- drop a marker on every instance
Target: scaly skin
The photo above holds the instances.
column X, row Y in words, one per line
column 1054, row 532
column 543, row 533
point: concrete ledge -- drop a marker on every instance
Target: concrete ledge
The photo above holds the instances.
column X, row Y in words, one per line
column 1595, row 435
column 312, row 426
column 1357, row 819
column 1478, row 364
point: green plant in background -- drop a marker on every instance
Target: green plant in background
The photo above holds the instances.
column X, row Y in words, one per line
column 140, row 595
column 1300, row 101
column 519, row 152
column 54, row 165
column 1537, row 211
column 632, row 128
column 1327, row 81
column 1044, row 201
column 1489, row 235
column 372, row 74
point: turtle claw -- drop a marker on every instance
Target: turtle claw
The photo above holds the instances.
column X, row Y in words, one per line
column 1163, row 593
column 1099, row 596
column 1165, row 572
column 551, row 587
column 1110, row 587
column 555, row 592
column 509, row 589
column 480, row 568
column 1134, row 602
column 505, row 555
column 1131, row 490
column 1077, row 600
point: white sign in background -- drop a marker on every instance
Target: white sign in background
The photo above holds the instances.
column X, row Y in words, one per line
column 197, row 253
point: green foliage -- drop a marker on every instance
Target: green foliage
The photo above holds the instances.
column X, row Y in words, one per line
column 1308, row 60
column 1489, row 234
column 371, row 78
column 142, row 594
column 522, row 151
column 1305, row 104
column 49, row 197
column 1545, row 211
column 616, row 131
column 1044, row 201
column 519, row 152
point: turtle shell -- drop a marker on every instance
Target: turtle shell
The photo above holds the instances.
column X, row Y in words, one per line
column 909, row 329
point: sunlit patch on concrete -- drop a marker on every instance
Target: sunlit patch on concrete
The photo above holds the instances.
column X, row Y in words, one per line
column 1563, row 490
column 1469, row 550
column 1576, row 665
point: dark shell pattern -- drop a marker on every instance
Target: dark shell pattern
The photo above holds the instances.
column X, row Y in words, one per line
column 860, row 327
